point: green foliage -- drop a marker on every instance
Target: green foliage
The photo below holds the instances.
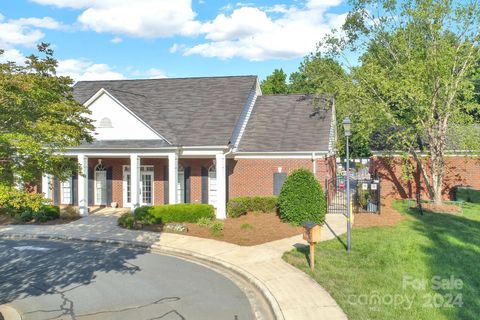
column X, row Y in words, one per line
column 69, row 213
column 216, row 228
column 302, row 199
column 38, row 117
column 184, row 212
column 13, row 199
column 467, row 194
column 241, row 205
column 126, row 220
column 275, row 83
column 246, row 226
column 205, row 222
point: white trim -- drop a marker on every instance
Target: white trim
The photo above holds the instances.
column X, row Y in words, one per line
column 83, row 184
column 332, row 138
column 104, row 186
column 102, row 91
column 247, row 110
column 172, row 177
column 220, row 163
column 62, row 191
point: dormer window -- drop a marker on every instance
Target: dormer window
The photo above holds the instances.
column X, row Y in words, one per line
column 105, row 123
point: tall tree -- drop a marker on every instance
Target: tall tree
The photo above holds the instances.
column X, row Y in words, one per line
column 39, row 118
column 415, row 74
column 276, row 83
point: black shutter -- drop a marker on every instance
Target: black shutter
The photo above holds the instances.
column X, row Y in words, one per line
column 278, row 180
column 109, row 185
column 90, row 187
column 165, row 184
column 204, row 185
column 187, row 195
column 56, row 191
column 75, row 189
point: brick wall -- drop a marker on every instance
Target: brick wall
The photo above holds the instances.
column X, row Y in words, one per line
column 247, row 177
column 254, row 177
column 459, row 170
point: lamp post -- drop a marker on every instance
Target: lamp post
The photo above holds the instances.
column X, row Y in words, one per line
column 347, row 124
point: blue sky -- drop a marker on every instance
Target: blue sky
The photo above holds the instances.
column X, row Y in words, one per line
column 114, row 39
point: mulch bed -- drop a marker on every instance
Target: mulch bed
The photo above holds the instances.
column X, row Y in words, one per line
column 443, row 208
column 247, row 230
column 387, row 217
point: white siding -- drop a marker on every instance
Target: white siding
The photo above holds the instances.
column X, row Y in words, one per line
column 125, row 126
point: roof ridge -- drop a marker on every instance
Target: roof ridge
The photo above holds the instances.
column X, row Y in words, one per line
column 166, row 79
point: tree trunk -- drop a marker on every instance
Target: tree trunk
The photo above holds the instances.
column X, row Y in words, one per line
column 437, row 149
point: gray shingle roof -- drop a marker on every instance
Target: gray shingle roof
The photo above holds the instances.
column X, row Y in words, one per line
column 127, row 144
column 186, row 111
column 286, row 123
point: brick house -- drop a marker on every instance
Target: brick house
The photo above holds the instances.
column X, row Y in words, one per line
column 193, row 140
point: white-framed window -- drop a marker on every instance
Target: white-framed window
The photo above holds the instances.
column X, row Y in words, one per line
column 66, row 191
column 100, row 183
column 105, row 123
column 147, row 175
column 212, row 185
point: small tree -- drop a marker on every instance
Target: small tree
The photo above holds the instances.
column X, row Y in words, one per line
column 302, row 199
column 276, row 83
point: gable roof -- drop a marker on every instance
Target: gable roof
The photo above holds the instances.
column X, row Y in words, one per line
column 186, row 111
column 289, row 123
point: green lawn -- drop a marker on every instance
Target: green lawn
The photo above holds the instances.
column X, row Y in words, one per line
column 389, row 273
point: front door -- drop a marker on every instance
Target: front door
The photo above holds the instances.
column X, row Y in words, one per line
column 146, row 189
column 146, row 186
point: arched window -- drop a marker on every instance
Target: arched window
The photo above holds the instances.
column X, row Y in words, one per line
column 181, row 184
column 105, row 123
column 100, row 184
column 212, row 185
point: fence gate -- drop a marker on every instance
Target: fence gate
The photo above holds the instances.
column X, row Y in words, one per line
column 364, row 195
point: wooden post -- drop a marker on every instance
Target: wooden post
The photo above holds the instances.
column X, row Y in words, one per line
column 312, row 255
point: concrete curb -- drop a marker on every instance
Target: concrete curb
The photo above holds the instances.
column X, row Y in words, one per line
column 181, row 253
column 9, row 313
column 275, row 307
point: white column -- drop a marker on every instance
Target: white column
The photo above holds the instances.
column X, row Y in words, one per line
column 172, row 177
column 221, row 186
column 135, row 181
column 83, row 185
column 46, row 186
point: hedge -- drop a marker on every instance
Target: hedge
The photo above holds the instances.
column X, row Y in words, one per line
column 241, row 205
column 302, row 199
column 184, row 212
column 467, row 194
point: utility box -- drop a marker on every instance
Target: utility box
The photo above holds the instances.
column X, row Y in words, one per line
column 311, row 232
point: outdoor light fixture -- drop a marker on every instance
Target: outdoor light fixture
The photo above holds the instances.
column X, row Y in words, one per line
column 347, row 124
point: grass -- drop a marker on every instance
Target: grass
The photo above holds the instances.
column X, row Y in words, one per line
column 389, row 274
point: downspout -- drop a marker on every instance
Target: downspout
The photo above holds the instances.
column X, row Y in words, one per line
column 314, row 167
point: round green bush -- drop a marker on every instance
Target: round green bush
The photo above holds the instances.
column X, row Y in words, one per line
column 126, row 220
column 302, row 199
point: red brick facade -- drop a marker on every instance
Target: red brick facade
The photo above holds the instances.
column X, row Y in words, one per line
column 246, row 177
column 459, row 170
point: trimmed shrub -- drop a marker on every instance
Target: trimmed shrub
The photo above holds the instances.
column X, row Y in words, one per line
column 17, row 201
column 467, row 194
column 184, row 212
column 216, row 228
column 126, row 220
column 69, row 213
column 50, row 212
column 241, row 205
column 302, row 199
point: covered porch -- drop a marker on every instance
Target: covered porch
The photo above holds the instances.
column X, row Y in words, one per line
column 132, row 179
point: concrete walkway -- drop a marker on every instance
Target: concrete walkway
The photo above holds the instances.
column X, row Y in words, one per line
column 292, row 293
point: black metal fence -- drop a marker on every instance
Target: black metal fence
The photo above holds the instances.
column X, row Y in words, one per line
column 364, row 195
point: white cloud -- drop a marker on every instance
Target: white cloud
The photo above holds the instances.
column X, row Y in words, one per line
column 79, row 69
column 143, row 18
column 116, row 40
column 152, row 73
column 24, row 31
column 12, row 55
column 250, row 33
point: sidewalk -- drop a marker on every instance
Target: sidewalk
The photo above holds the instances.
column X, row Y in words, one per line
column 292, row 293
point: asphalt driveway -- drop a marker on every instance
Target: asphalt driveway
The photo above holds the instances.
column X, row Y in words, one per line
column 81, row 280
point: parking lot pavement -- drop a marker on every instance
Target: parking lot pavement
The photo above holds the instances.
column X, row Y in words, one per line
column 84, row 280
